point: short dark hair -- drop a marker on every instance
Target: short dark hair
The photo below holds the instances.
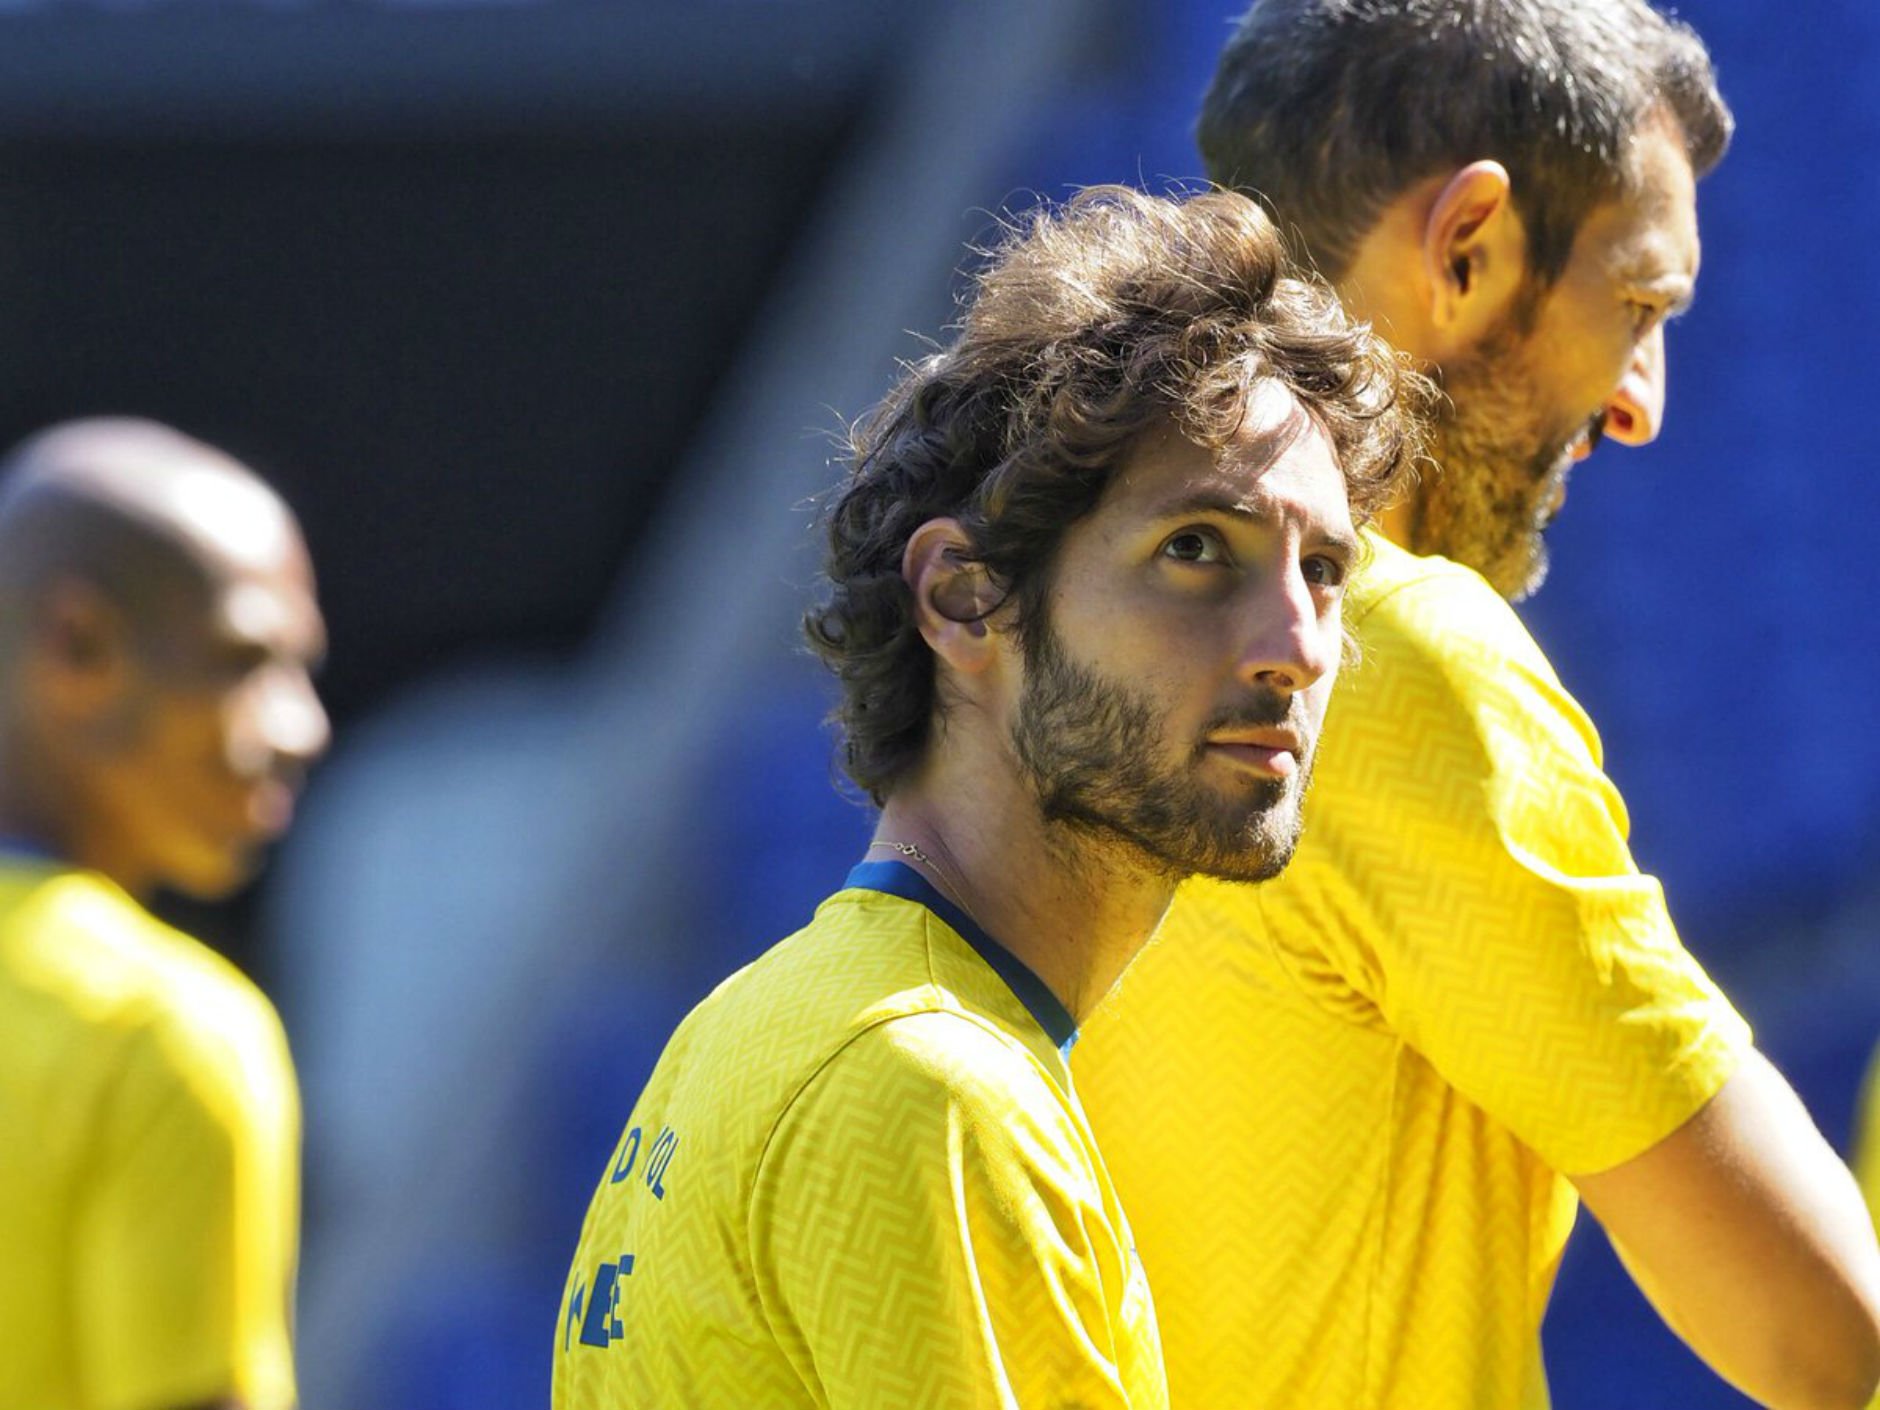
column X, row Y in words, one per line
column 1088, row 327
column 1329, row 109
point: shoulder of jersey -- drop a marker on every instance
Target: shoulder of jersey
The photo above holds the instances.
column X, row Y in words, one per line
column 1402, row 601
column 77, row 939
column 860, row 968
column 1388, row 571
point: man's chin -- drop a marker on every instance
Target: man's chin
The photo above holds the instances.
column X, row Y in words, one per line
column 1244, row 849
column 1248, row 871
column 1526, row 573
column 1513, row 563
column 215, row 876
column 1259, row 852
column 1489, row 507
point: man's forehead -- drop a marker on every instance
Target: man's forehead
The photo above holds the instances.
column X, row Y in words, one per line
column 1650, row 228
column 1278, row 463
column 1275, row 423
column 1275, row 427
column 1271, row 421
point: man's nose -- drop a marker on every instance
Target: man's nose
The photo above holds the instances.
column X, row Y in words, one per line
column 293, row 720
column 1292, row 645
column 1635, row 411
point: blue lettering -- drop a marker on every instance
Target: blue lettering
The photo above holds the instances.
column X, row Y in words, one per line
column 574, row 1313
column 601, row 1325
column 661, row 1157
column 629, row 1152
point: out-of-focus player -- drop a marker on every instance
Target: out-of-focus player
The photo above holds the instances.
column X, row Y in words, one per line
column 1084, row 603
column 1352, row 1114
column 157, row 624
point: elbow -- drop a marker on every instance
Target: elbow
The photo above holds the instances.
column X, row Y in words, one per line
column 1854, row 1384
column 1836, row 1372
column 1854, row 1379
column 1824, row 1393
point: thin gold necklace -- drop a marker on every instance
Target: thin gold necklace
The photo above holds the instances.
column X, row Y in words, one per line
column 949, row 883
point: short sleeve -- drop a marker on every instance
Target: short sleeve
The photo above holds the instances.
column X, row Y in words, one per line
column 186, row 1240
column 1488, row 903
column 928, row 1231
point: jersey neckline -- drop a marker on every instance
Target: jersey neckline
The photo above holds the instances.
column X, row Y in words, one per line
column 20, row 849
column 899, row 879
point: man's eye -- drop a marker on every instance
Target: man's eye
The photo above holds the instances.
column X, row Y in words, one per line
column 1644, row 316
column 244, row 658
column 1322, row 571
column 1196, row 546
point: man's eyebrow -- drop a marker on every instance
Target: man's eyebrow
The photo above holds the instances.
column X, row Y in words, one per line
column 1211, row 500
column 1346, row 543
column 1207, row 501
column 311, row 646
column 1678, row 292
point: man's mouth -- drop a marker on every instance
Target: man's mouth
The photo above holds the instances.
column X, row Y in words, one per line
column 1269, row 752
column 271, row 806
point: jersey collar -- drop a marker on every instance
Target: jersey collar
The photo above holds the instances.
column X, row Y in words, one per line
column 899, row 879
column 19, row 849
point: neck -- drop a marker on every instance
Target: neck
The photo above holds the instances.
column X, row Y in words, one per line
column 1072, row 911
column 23, row 825
column 1376, row 290
column 31, row 818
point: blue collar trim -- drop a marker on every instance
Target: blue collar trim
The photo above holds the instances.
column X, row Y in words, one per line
column 899, row 879
column 20, row 849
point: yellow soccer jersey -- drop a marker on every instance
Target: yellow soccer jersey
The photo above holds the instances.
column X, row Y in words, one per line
column 149, row 1169
column 1866, row 1158
column 858, row 1178
column 1335, row 1105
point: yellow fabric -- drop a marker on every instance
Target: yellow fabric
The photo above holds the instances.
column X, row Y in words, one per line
column 1335, row 1106
column 1866, row 1158
column 149, row 1167
column 858, row 1178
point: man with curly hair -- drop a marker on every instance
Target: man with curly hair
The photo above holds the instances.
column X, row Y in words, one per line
column 1084, row 601
column 1353, row 1113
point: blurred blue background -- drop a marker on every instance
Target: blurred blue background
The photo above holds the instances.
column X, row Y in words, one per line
column 542, row 313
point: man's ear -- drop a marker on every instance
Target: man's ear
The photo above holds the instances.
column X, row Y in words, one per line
column 79, row 650
column 1474, row 256
column 953, row 595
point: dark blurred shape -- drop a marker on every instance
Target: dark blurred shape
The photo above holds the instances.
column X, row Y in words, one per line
column 473, row 361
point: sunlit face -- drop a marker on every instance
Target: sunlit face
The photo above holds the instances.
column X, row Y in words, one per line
column 1175, row 687
column 218, row 724
column 1585, row 360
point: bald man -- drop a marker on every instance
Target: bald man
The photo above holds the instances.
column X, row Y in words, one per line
column 157, row 628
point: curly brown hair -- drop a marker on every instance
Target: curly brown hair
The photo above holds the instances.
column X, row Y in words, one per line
column 1088, row 326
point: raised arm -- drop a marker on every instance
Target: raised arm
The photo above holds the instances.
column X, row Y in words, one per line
column 1750, row 1238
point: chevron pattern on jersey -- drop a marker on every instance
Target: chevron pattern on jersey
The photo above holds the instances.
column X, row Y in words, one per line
column 858, row 1177
column 1335, row 1105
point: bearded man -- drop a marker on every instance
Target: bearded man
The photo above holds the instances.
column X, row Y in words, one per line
column 1085, row 585
column 1352, row 1114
